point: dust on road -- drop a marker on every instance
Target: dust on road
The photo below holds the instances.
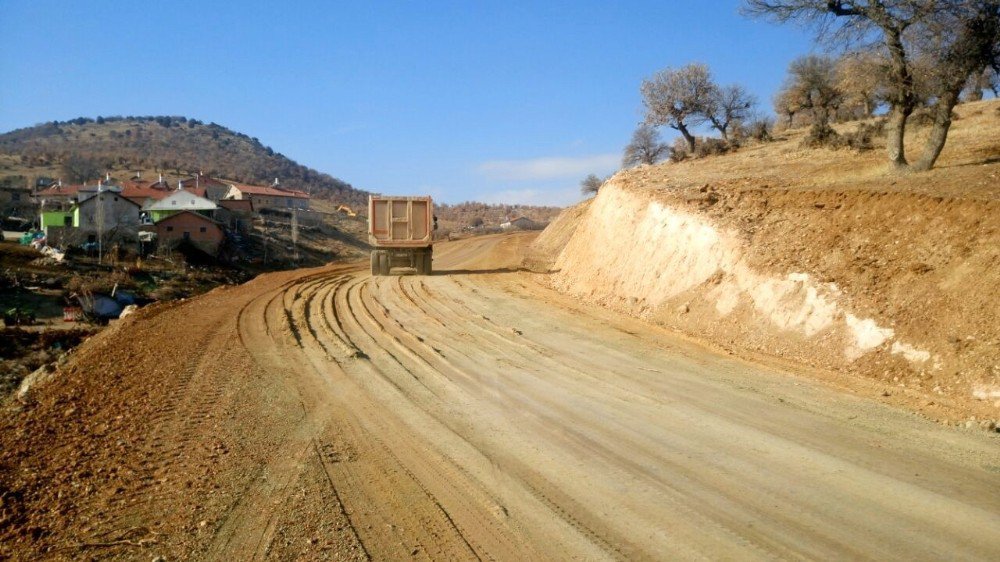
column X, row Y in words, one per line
column 471, row 414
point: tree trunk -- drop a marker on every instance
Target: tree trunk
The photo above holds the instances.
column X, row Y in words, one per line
column 686, row 134
column 939, row 134
column 719, row 126
column 894, row 137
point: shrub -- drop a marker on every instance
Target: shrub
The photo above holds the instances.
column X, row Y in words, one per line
column 679, row 151
column 760, row 129
column 821, row 134
column 711, row 147
column 861, row 138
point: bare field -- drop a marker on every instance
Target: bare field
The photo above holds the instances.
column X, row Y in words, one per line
column 472, row 414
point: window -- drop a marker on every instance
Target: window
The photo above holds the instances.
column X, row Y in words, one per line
column 203, row 229
column 170, row 229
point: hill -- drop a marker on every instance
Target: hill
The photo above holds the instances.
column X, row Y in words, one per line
column 885, row 283
column 164, row 144
column 177, row 147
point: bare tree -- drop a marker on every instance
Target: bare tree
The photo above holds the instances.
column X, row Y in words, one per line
column 812, row 82
column 645, row 147
column 785, row 105
column 78, row 168
column 678, row 98
column 959, row 37
column 728, row 105
column 861, row 77
column 591, row 184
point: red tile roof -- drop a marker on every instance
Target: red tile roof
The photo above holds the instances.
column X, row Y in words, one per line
column 137, row 192
column 63, row 190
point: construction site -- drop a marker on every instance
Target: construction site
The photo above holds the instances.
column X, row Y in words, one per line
column 738, row 387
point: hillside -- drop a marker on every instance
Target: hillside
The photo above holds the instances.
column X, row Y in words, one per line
column 472, row 213
column 177, row 147
column 171, row 145
column 887, row 284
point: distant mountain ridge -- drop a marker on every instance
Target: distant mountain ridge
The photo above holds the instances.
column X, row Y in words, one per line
column 165, row 143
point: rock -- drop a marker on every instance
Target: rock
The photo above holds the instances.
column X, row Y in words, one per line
column 970, row 424
column 683, row 309
column 128, row 310
column 38, row 376
column 988, row 425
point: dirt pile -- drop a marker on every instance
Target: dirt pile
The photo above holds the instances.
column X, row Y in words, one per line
column 814, row 256
column 540, row 256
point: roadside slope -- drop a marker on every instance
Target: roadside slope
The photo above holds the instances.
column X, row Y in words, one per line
column 814, row 256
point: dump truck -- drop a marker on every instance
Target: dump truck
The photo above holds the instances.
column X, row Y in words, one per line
column 401, row 231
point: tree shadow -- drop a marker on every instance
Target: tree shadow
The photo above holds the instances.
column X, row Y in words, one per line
column 985, row 161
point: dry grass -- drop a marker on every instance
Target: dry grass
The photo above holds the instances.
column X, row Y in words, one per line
column 969, row 166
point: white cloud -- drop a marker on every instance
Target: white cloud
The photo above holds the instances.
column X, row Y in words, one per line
column 559, row 197
column 550, row 167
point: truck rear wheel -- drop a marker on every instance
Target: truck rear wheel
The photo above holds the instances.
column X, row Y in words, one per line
column 418, row 263
column 428, row 258
column 383, row 263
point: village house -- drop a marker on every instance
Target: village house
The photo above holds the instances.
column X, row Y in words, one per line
column 62, row 197
column 236, row 214
column 15, row 201
column 107, row 210
column 213, row 189
column 177, row 201
column 107, row 215
column 269, row 197
column 197, row 229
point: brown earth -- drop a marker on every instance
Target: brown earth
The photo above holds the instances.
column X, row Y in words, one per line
column 472, row 414
column 887, row 283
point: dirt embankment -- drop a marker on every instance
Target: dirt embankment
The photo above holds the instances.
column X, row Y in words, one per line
column 887, row 284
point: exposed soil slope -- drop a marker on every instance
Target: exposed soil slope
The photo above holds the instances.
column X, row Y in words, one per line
column 817, row 256
column 473, row 414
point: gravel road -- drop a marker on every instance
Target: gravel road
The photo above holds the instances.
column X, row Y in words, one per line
column 475, row 414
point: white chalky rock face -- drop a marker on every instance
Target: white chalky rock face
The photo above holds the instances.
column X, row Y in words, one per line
column 627, row 245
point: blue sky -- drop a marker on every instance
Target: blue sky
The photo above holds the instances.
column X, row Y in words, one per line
column 495, row 101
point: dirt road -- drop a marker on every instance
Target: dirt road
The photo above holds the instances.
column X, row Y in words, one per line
column 472, row 414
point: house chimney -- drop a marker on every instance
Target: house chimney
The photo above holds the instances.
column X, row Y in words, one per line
column 275, row 181
column 107, row 176
column 161, row 179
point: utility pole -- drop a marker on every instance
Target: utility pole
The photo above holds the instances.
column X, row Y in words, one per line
column 265, row 238
column 100, row 224
column 295, row 232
